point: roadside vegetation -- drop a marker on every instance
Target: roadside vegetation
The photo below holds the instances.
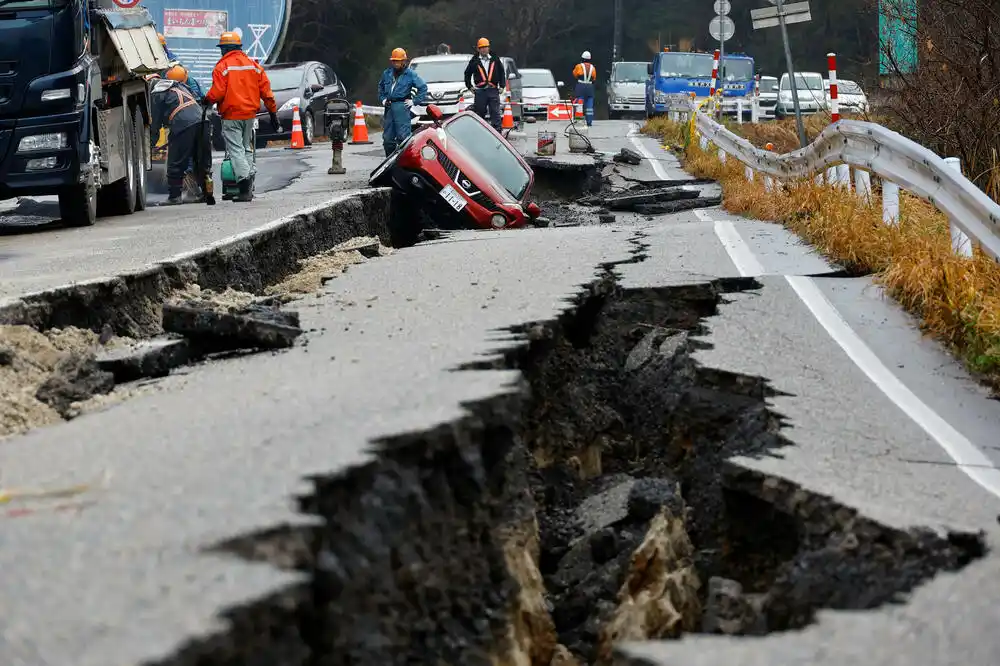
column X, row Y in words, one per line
column 957, row 298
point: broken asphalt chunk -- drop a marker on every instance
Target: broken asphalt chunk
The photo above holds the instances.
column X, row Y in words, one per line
column 628, row 156
column 147, row 358
column 632, row 200
column 213, row 331
column 677, row 206
column 76, row 378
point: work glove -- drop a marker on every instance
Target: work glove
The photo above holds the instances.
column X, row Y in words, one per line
column 206, row 103
column 275, row 125
column 408, row 103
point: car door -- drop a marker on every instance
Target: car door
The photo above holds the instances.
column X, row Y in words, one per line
column 314, row 77
column 337, row 88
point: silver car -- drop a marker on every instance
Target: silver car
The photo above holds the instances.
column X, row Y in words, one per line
column 811, row 94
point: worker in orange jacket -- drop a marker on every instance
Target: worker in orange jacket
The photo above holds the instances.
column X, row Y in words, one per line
column 585, row 74
column 238, row 86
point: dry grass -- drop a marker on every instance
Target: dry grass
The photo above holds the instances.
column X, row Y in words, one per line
column 957, row 298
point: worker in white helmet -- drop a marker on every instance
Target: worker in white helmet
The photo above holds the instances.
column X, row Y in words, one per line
column 585, row 74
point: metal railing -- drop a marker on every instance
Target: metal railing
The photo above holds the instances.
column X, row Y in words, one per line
column 871, row 148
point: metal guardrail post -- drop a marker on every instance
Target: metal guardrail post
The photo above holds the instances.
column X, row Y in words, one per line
column 890, row 202
column 960, row 243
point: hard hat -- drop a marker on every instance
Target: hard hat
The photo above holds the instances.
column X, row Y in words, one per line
column 398, row 55
column 586, row 55
column 229, row 39
column 163, row 40
column 177, row 73
column 482, row 42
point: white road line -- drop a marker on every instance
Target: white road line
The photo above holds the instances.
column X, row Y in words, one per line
column 969, row 459
column 657, row 167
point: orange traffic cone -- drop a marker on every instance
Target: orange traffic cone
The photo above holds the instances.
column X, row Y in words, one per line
column 508, row 117
column 298, row 139
column 578, row 109
column 360, row 133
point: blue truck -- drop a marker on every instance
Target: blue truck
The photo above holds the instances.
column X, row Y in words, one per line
column 675, row 74
column 74, row 103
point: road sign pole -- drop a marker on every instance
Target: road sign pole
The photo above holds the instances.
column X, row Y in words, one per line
column 791, row 74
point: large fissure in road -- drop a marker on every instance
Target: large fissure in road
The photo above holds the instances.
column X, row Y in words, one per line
column 592, row 503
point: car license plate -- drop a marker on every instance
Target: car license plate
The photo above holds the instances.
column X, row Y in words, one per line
column 454, row 199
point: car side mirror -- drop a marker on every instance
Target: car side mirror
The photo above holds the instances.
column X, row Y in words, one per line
column 533, row 209
column 649, row 69
column 434, row 111
column 315, row 87
column 560, row 84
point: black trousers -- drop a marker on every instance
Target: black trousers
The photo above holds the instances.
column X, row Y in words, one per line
column 184, row 146
column 488, row 99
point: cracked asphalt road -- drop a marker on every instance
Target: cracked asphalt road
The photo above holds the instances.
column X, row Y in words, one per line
column 220, row 449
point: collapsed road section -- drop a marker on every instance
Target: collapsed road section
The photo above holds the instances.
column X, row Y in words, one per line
column 593, row 504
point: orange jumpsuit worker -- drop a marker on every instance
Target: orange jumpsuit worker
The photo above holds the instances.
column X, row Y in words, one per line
column 585, row 74
column 238, row 86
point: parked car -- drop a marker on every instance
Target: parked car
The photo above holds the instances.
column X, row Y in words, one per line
column 444, row 76
column 851, row 97
column 308, row 85
column 768, row 97
column 627, row 88
column 809, row 86
column 539, row 89
column 460, row 173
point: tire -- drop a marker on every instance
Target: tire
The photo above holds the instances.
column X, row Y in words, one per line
column 78, row 204
column 140, row 142
column 308, row 128
column 118, row 198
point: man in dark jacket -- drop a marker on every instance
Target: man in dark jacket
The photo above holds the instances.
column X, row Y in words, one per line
column 486, row 76
column 174, row 106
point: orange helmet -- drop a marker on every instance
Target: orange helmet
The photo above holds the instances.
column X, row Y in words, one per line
column 177, row 73
column 163, row 40
column 229, row 39
column 398, row 55
column 482, row 42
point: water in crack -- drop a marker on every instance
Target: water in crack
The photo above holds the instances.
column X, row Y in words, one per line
column 592, row 504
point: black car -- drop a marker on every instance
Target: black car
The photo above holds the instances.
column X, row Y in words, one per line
column 308, row 85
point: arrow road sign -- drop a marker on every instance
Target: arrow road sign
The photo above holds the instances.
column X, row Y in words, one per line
column 767, row 17
column 721, row 28
column 562, row 111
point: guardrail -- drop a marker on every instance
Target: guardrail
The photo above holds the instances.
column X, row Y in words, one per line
column 871, row 148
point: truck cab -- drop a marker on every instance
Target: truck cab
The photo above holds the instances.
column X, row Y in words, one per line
column 74, row 107
column 674, row 75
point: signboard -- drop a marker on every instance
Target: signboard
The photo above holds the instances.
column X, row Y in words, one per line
column 192, row 29
column 897, row 36
column 560, row 111
column 194, row 23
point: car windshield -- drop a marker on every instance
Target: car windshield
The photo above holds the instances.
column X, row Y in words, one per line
column 803, row 82
column 630, row 72
column 542, row 79
column 440, row 71
column 285, row 78
column 490, row 152
column 686, row 65
column 849, row 88
column 736, row 69
column 769, row 85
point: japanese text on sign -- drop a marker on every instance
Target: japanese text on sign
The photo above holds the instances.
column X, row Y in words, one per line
column 194, row 24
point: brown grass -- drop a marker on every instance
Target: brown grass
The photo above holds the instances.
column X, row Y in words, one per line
column 957, row 298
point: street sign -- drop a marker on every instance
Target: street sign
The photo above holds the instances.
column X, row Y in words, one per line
column 561, row 111
column 721, row 7
column 721, row 28
column 766, row 17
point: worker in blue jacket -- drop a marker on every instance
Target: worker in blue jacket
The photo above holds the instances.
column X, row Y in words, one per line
column 395, row 93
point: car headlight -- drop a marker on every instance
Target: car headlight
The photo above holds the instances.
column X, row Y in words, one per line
column 428, row 152
column 498, row 221
column 287, row 106
column 34, row 142
column 58, row 93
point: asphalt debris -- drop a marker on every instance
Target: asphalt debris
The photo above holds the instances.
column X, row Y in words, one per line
column 213, row 331
column 76, row 378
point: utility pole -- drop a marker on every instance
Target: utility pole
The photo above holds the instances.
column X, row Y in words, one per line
column 783, row 14
column 616, row 49
column 791, row 75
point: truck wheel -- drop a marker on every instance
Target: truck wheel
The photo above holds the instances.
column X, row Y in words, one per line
column 118, row 198
column 140, row 144
column 78, row 204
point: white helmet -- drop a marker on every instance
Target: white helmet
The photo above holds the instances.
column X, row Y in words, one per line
column 586, row 55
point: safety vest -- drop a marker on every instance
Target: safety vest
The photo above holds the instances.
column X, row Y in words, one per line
column 184, row 100
column 487, row 77
column 588, row 72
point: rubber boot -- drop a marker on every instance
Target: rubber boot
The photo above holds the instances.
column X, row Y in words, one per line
column 245, row 193
column 337, row 167
column 175, row 192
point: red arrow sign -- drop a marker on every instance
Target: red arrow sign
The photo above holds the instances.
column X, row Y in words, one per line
column 561, row 111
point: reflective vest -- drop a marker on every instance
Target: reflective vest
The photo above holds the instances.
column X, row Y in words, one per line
column 587, row 74
column 184, row 100
column 487, row 76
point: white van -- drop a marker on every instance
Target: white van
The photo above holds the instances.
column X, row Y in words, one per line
column 811, row 94
column 444, row 76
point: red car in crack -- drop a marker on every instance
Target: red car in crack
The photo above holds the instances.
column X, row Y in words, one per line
column 461, row 174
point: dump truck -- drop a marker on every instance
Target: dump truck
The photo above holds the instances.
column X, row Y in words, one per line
column 74, row 104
